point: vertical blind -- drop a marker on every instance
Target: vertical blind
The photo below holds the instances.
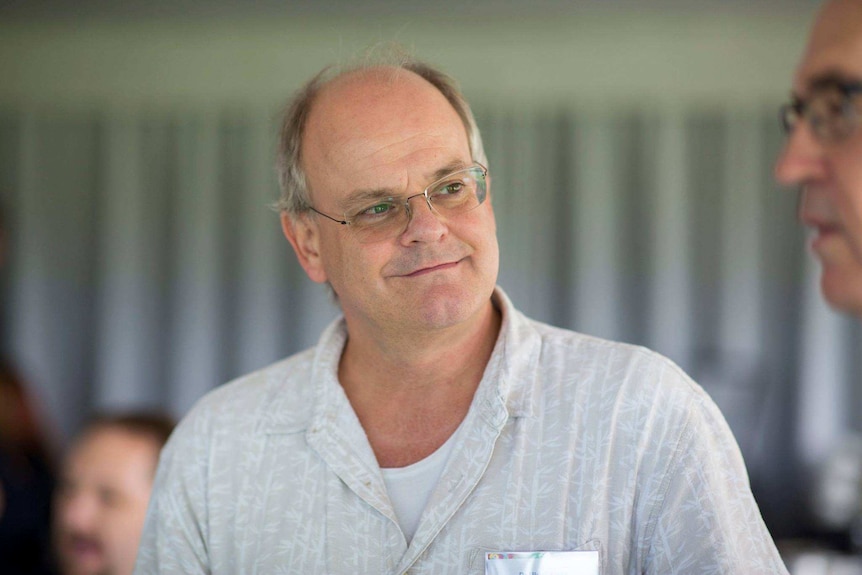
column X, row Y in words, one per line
column 145, row 267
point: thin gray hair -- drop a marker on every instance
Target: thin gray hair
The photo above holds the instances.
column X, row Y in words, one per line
column 295, row 197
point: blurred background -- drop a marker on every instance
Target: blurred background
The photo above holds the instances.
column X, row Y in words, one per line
column 630, row 143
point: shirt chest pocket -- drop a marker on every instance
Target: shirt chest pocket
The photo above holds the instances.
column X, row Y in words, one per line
column 585, row 559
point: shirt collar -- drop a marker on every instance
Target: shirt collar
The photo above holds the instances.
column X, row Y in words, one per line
column 507, row 388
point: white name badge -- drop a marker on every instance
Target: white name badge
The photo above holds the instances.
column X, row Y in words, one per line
column 542, row 563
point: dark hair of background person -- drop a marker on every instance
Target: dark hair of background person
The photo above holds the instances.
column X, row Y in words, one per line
column 154, row 425
column 27, row 470
column 27, row 478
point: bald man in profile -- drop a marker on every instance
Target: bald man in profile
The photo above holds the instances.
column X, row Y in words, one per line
column 823, row 152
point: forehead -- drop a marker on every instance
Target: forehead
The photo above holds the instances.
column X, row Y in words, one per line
column 834, row 47
column 379, row 118
column 113, row 457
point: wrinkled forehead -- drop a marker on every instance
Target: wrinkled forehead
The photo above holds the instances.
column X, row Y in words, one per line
column 374, row 102
column 834, row 49
column 365, row 128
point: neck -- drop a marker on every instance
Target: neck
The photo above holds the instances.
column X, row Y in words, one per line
column 389, row 362
column 411, row 392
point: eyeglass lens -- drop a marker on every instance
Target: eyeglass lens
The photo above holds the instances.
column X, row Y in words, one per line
column 831, row 112
column 450, row 196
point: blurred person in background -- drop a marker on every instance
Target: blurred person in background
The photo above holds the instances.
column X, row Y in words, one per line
column 103, row 492
column 26, row 469
column 823, row 157
column 26, row 480
column 823, row 152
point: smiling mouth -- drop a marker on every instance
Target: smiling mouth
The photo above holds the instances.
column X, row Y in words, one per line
column 432, row 269
column 82, row 550
column 820, row 228
column 816, row 212
column 821, row 236
column 819, row 221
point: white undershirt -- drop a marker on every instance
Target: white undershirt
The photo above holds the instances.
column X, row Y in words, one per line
column 410, row 487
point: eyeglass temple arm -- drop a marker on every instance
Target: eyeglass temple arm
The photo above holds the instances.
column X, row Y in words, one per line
column 342, row 222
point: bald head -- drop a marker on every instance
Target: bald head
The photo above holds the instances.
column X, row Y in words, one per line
column 351, row 112
column 837, row 33
column 842, row 10
column 292, row 177
column 824, row 162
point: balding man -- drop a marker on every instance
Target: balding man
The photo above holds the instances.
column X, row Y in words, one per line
column 435, row 429
column 823, row 153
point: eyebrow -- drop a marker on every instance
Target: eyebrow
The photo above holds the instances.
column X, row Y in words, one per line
column 362, row 197
column 452, row 166
column 832, row 78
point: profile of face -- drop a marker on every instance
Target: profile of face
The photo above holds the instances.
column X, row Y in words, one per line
column 380, row 134
column 823, row 152
column 101, row 501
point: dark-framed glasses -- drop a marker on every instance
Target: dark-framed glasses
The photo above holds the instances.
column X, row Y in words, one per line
column 831, row 110
column 387, row 217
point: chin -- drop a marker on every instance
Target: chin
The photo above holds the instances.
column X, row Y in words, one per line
column 443, row 312
column 844, row 293
column 846, row 306
column 451, row 306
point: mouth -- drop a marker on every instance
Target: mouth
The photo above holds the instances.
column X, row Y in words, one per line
column 822, row 236
column 816, row 212
column 431, row 269
column 82, row 548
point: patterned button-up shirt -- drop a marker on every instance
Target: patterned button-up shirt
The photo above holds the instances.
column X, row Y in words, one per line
column 571, row 442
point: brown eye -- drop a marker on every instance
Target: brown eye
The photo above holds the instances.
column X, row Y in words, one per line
column 450, row 189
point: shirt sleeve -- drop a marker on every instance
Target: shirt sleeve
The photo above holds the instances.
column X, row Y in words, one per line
column 174, row 539
column 706, row 520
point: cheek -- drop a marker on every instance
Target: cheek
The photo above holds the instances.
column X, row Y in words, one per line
column 848, row 168
column 842, row 286
column 122, row 530
column 332, row 257
column 350, row 265
column 483, row 233
column 854, row 198
column 848, row 171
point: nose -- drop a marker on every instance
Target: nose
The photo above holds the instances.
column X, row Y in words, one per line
column 423, row 225
column 422, row 195
column 801, row 159
column 77, row 511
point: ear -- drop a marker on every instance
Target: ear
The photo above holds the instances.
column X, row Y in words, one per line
column 304, row 238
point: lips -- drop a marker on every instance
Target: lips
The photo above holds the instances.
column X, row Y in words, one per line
column 413, row 264
column 819, row 220
column 820, row 240
column 81, row 548
column 431, row 269
column 817, row 212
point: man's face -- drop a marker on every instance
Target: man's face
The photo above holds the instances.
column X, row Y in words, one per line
column 372, row 133
column 101, row 502
column 830, row 172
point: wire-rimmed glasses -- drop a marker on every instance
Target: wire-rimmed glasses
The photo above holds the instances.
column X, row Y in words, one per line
column 387, row 217
column 831, row 110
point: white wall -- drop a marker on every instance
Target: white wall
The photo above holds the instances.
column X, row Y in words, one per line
column 714, row 54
